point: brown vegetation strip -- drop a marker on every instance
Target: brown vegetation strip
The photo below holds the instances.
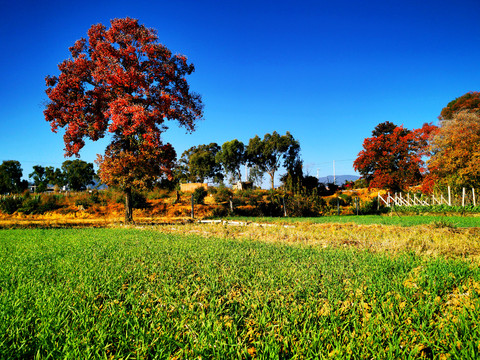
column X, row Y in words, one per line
column 30, row 223
column 423, row 240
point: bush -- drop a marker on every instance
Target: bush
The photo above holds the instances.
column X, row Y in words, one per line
column 50, row 204
column 308, row 206
column 360, row 184
column 272, row 205
column 371, row 207
column 159, row 193
column 247, row 210
column 114, row 195
column 30, row 205
column 95, row 197
column 249, row 197
column 443, row 224
column 10, row 204
column 212, row 190
column 199, row 195
column 220, row 211
column 223, row 194
column 164, row 196
column 347, row 199
column 85, row 203
column 38, row 205
column 139, row 201
column 334, row 201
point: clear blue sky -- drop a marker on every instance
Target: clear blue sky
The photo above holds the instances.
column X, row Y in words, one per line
column 327, row 71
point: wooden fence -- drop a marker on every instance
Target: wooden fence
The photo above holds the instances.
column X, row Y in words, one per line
column 467, row 197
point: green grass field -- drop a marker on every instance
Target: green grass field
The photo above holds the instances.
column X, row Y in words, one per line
column 399, row 220
column 138, row 294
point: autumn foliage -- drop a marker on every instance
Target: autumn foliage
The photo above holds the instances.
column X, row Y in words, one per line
column 393, row 157
column 456, row 151
column 469, row 101
column 122, row 81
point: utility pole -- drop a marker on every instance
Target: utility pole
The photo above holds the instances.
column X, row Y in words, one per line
column 318, row 174
column 334, row 179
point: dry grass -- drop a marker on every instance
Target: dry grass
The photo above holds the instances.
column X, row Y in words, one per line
column 423, row 240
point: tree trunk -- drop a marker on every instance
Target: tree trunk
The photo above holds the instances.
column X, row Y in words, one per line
column 128, row 206
column 272, row 179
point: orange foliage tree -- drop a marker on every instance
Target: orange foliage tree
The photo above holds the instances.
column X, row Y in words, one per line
column 455, row 151
column 393, row 157
column 122, row 81
column 468, row 101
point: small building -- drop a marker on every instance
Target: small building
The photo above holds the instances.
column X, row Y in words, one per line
column 192, row 186
column 243, row 185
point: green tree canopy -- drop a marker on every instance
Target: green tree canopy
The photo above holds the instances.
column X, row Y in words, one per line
column 39, row 177
column 11, row 177
column 199, row 164
column 55, row 176
column 231, row 157
column 78, row 174
column 255, row 175
column 273, row 151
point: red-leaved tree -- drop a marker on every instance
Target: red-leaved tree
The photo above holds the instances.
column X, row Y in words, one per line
column 122, row 81
column 393, row 157
column 469, row 101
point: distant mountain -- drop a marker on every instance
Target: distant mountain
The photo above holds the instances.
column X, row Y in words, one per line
column 339, row 179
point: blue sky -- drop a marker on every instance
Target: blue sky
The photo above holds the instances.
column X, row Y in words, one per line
column 327, row 71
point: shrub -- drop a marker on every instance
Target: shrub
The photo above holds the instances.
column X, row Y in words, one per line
column 347, row 199
column 114, row 195
column 360, row 184
column 39, row 205
column 10, row 204
column 85, row 203
column 212, row 190
column 249, row 197
column 220, row 211
column 371, row 207
column 30, row 205
column 334, row 201
column 158, row 193
column 163, row 196
column 247, row 210
column 309, row 206
column 272, row 205
column 199, row 195
column 50, row 204
column 222, row 195
column 443, row 224
column 95, row 197
column 139, row 201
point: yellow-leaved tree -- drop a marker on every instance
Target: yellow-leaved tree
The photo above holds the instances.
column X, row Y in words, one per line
column 455, row 151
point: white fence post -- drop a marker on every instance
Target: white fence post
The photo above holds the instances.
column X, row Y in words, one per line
column 398, row 199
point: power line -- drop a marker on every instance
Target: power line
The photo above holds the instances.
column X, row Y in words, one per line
column 329, row 162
